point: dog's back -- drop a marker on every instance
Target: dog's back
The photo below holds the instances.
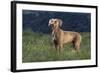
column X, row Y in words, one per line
column 70, row 36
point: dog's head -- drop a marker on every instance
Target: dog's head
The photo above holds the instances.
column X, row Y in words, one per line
column 55, row 23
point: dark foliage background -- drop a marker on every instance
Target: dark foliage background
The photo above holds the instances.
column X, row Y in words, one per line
column 37, row 21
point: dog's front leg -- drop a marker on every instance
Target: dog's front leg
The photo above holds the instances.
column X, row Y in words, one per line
column 61, row 46
column 56, row 45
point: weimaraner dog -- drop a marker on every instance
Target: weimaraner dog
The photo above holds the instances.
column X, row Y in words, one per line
column 61, row 37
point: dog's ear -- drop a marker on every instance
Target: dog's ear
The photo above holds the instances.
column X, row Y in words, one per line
column 60, row 22
column 49, row 22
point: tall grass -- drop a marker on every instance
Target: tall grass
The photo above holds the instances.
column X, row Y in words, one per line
column 38, row 47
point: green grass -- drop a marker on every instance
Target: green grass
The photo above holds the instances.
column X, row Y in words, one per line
column 38, row 47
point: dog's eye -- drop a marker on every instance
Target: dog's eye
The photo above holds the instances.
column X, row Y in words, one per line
column 55, row 22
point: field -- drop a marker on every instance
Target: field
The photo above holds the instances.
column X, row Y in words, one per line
column 38, row 47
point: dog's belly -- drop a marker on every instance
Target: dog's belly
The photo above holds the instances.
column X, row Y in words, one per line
column 67, row 39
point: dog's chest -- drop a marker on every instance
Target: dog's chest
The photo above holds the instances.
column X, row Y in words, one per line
column 55, row 36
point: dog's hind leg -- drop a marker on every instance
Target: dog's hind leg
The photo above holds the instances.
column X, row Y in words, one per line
column 77, row 43
column 61, row 49
column 77, row 46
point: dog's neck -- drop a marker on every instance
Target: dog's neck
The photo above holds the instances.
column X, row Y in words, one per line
column 56, row 30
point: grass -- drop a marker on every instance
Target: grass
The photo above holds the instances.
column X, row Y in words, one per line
column 38, row 47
